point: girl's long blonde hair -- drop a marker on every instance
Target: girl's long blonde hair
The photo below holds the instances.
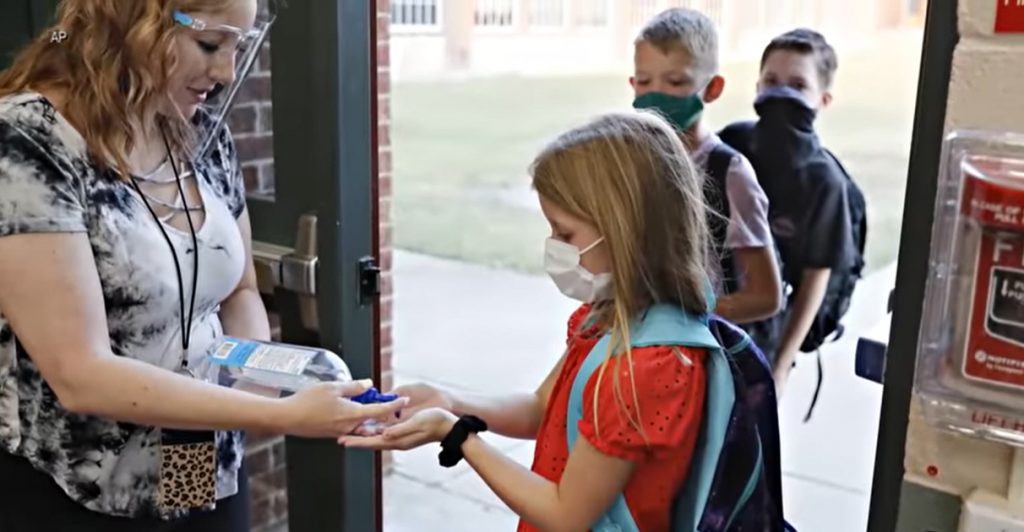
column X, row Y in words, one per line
column 628, row 174
column 113, row 66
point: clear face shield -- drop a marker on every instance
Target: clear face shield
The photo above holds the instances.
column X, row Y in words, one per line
column 244, row 48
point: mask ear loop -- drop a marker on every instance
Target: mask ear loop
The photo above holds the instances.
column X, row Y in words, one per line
column 591, row 246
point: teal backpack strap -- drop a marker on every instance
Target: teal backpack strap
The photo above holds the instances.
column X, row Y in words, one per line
column 718, row 407
column 618, row 518
column 665, row 325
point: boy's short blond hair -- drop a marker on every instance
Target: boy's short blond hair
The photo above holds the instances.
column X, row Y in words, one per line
column 688, row 30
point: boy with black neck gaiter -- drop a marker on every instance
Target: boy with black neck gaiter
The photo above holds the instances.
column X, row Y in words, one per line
column 806, row 185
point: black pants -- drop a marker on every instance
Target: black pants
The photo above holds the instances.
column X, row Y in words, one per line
column 31, row 502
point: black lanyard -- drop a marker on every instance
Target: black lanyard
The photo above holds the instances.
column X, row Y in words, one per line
column 186, row 326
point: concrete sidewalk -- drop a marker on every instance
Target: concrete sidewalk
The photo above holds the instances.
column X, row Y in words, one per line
column 489, row 330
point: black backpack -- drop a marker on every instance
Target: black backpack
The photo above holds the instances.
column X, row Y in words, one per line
column 764, row 333
column 752, row 443
column 827, row 325
column 716, row 195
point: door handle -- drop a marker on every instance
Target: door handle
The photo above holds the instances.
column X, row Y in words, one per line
column 294, row 270
column 298, row 268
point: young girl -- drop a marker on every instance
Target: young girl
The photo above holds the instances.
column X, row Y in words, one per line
column 627, row 234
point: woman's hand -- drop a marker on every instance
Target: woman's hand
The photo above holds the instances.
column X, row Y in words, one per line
column 323, row 410
column 421, row 397
column 426, row 426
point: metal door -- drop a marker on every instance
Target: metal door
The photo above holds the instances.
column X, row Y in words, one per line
column 315, row 241
column 916, row 508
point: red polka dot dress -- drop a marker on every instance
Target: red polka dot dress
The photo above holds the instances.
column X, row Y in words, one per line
column 670, row 389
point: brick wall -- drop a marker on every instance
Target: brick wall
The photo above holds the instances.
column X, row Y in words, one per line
column 984, row 92
column 384, row 175
column 251, row 124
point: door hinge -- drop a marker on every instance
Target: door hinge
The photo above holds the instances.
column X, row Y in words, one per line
column 369, row 280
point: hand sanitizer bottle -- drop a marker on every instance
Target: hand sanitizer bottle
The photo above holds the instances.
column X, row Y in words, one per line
column 282, row 367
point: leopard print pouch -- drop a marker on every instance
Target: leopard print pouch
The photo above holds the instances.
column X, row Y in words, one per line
column 188, row 470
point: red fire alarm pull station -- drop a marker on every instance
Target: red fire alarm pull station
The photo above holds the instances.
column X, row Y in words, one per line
column 993, row 206
column 1009, row 16
column 971, row 354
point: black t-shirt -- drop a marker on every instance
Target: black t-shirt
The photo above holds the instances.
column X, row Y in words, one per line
column 807, row 199
column 810, row 218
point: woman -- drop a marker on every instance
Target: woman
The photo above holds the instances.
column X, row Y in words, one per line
column 124, row 259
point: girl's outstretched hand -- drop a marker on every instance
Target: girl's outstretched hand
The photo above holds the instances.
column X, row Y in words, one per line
column 426, row 426
column 423, row 396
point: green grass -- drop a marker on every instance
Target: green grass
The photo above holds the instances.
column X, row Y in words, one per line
column 462, row 149
column 459, row 148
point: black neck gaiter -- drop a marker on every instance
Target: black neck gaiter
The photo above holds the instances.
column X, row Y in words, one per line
column 784, row 138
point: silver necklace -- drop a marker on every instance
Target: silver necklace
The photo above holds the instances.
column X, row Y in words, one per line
column 159, row 168
column 178, row 205
column 150, row 176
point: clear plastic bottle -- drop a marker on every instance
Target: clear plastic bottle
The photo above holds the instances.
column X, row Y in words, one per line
column 282, row 367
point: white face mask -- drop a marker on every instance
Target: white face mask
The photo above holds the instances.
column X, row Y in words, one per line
column 562, row 262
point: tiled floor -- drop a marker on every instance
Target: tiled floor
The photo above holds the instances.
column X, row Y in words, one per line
column 499, row 331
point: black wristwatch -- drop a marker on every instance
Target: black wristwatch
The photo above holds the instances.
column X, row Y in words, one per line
column 451, row 445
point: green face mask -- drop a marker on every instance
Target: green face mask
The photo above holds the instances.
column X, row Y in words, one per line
column 680, row 111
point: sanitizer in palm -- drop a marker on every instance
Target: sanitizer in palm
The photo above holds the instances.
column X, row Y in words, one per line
column 282, row 367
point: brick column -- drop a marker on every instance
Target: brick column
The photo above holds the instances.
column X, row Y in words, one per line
column 623, row 31
column 251, row 124
column 890, row 14
column 384, row 175
column 522, row 15
column 458, row 23
column 268, row 492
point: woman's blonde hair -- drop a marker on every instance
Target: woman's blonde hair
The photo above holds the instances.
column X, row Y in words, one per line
column 113, row 66
column 629, row 175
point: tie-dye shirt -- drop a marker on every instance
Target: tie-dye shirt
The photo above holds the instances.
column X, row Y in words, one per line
column 48, row 184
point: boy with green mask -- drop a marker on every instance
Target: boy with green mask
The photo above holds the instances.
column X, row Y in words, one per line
column 676, row 74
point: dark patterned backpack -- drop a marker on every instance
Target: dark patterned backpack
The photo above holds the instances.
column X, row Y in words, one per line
column 735, row 481
column 746, row 492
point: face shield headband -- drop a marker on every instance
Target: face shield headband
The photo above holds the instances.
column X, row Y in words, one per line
column 244, row 47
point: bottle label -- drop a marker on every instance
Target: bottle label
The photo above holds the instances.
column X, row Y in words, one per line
column 263, row 356
column 995, row 336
